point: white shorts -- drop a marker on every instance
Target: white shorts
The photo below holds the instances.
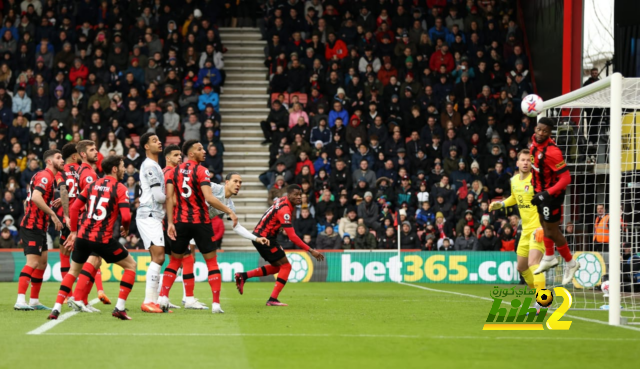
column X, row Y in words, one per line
column 150, row 231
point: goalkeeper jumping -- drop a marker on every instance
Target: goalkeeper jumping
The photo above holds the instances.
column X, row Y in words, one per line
column 531, row 245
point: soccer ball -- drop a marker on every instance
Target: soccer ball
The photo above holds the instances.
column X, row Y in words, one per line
column 299, row 267
column 531, row 105
column 544, row 297
column 590, row 270
column 605, row 288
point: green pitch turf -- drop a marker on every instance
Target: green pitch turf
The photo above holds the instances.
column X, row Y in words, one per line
column 327, row 325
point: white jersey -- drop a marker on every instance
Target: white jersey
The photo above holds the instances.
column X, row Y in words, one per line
column 219, row 193
column 150, row 176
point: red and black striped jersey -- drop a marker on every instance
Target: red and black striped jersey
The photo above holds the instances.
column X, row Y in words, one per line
column 191, row 206
column 276, row 217
column 168, row 178
column 69, row 178
column 86, row 176
column 168, row 175
column 104, row 198
column 547, row 163
column 34, row 218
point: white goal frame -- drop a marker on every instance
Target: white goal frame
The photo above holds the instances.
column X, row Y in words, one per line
column 578, row 99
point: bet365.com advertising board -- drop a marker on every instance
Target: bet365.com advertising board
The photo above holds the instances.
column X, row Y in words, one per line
column 435, row 267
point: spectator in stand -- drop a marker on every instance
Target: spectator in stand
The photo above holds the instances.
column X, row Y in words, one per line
column 466, row 241
column 328, row 239
column 364, row 240
column 489, row 241
column 348, row 224
column 408, row 238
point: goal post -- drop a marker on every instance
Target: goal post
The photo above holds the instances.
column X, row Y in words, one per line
column 601, row 106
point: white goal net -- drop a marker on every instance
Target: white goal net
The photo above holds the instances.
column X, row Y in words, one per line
column 598, row 129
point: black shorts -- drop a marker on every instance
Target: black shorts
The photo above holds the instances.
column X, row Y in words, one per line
column 64, row 233
column 34, row 241
column 271, row 253
column 551, row 209
column 202, row 233
column 112, row 252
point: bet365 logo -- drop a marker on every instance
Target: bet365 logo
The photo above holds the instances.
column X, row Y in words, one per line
column 522, row 317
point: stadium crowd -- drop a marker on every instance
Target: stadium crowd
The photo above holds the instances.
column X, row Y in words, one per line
column 107, row 71
column 390, row 113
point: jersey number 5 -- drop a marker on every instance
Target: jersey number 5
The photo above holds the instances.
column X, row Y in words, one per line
column 99, row 208
column 186, row 190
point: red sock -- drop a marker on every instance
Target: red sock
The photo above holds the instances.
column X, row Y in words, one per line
column 65, row 264
column 36, row 283
column 549, row 247
column 565, row 252
column 65, row 287
column 187, row 275
column 215, row 282
column 169, row 275
column 283, row 277
column 25, row 278
column 85, row 281
column 126, row 283
column 263, row 271
column 99, row 280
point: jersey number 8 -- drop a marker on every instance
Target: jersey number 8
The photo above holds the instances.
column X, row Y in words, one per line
column 545, row 211
column 186, row 190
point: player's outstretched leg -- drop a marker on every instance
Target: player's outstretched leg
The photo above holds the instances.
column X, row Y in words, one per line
column 241, row 278
column 281, row 281
column 23, row 285
column 126, row 284
column 215, row 281
column 168, row 278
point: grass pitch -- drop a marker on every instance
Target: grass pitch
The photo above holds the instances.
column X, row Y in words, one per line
column 327, row 325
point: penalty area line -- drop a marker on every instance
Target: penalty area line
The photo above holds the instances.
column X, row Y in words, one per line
column 488, row 299
column 52, row 323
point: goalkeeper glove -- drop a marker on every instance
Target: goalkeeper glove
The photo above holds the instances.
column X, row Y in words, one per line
column 538, row 235
column 497, row 205
column 540, row 198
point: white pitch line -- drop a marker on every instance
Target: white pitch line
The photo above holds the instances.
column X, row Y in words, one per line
column 239, row 335
column 339, row 335
column 52, row 323
column 504, row 302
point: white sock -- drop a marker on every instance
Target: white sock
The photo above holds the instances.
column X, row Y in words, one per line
column 120, row 304
column 34, row 302
column 160, row 282
column 153, row 279
column 549, row 257
column 21, row 299
column 57, row 306
column 184, row 291
column 571, row 262
column 189, row 299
